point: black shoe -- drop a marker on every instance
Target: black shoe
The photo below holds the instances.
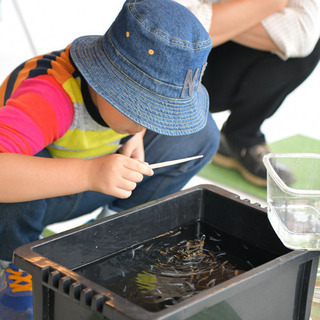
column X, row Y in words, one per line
column 248, row 161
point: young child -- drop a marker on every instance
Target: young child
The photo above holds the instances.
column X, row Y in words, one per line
column 79, row 126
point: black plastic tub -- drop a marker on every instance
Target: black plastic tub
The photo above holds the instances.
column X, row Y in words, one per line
column 279, row 286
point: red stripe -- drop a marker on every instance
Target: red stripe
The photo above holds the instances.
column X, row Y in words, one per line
column 48, row 88
column 41, row 112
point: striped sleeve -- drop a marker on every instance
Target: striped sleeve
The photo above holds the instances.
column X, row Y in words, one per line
column 38, row 113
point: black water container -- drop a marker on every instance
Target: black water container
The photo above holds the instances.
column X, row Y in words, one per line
column 278, row 287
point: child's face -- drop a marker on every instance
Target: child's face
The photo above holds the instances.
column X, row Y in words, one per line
column 115, row 119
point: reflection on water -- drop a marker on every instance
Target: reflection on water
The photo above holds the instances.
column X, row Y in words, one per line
column 169, row 269
column 173, row 273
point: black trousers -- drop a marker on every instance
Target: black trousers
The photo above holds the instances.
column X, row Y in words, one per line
column 252, row 84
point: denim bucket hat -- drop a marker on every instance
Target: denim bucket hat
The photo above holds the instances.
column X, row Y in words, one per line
column 149, row 66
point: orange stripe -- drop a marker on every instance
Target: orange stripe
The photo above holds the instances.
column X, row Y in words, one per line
column 52, row 80
column 24, row 73
column 9, row 128
column 3, row 149
column 62, row 68
column 3, row 88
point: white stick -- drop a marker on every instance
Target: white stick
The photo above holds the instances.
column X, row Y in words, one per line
column 172, row 162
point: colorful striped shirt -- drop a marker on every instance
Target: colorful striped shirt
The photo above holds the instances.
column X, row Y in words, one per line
column 45, row 103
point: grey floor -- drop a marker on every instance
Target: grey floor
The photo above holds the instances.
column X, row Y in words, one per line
column 39, row 26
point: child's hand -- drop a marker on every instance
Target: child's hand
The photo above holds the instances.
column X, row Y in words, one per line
column 134, row 148
column 116, row 175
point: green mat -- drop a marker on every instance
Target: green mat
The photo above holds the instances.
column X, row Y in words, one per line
column 231, row 178
column 46, row 233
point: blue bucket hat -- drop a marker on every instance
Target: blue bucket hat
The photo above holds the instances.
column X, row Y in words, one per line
column 149, row 65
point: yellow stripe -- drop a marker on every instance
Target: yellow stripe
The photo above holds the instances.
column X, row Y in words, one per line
column 72, row 87
column 84, row 144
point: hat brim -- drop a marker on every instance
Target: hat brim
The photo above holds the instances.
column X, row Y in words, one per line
column 158, row 113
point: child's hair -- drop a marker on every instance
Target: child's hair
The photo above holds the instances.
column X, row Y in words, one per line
column 149, row 66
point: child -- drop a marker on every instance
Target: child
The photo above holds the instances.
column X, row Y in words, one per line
column 79, row 126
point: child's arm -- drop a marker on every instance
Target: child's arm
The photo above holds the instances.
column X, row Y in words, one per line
column 25, row 178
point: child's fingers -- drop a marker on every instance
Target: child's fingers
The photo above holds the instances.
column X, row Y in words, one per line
column 141, row 167
column 133, row 176
column 127, row 185
column 122, row 194
column 124, row 189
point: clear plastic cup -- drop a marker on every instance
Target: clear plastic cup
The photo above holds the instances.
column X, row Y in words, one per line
column 294, row 209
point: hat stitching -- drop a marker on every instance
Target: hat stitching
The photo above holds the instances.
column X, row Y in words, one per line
column 111, row 72
column 189, row 105
column 169, row 36
column 157, row 97
column 158, row 118
column 152, row 102
column 157, row 115
column 158, row 125
column 141, row 71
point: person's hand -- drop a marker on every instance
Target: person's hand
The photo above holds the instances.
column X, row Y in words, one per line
column 133, row 148
column 116, row 175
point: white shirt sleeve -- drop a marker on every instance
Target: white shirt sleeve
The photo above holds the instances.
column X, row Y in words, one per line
column 296, row 29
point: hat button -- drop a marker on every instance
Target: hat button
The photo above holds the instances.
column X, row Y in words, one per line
column 151, row 52
column 127, row 34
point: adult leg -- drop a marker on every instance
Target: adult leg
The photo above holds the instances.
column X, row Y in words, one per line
column 252, row 84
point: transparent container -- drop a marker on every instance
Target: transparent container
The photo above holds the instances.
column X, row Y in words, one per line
column 294, row 211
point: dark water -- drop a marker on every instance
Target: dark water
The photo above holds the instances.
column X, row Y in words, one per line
column 172, row 267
